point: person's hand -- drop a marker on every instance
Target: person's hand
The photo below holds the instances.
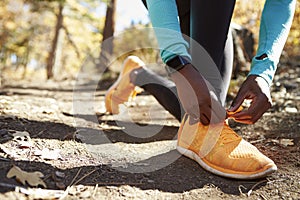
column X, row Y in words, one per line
column 197, row 96
column 257, row 90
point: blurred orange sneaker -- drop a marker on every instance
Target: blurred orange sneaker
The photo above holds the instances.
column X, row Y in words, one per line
column 219, row 150
column 123, row 90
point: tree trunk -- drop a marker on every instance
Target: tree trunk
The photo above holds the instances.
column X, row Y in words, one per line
column 108, row 32
column 243, row 42
column 51, row 56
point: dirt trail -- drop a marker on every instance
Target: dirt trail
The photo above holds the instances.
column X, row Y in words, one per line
column 111, row 157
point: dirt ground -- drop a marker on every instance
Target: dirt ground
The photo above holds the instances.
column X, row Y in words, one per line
column 93, row 155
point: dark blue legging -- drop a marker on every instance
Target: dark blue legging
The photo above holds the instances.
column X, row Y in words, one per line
column 206, row 22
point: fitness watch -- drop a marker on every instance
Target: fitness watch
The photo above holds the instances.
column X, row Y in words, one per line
column 177, row 63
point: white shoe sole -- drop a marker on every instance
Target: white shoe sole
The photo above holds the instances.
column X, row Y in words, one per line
column 190, row 154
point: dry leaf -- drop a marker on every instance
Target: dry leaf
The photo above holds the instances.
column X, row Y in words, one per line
column 23, row 139
column 286, row 142
column 32, row 178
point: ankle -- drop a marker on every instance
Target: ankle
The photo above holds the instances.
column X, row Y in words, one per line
column 135, row 73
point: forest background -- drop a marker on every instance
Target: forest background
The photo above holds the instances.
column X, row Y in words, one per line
column 51, row 39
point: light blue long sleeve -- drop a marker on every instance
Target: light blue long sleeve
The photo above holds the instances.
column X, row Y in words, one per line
column 275, row 24
column 276, row 21
column 164, row 18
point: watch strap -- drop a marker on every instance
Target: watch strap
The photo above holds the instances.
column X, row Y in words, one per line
column 176, row 63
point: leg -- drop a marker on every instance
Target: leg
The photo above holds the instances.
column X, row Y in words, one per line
column 226, row 67
column 161, row 88
column 164, row 90
column 210, row 22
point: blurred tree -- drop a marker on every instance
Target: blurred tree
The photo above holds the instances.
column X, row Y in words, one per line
column 11, row 41
column 28, row 29
column 138, row 39
column 30, row 36
column 59, row 25
column 108, row 33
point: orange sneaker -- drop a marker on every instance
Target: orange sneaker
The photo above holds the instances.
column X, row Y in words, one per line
column 123, row 90
column 219, row 150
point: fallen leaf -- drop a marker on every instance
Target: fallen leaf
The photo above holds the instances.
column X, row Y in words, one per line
column 286, row 142
column 32, row 178
column 23, row 139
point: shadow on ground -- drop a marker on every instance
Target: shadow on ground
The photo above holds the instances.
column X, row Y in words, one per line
column 179, row 176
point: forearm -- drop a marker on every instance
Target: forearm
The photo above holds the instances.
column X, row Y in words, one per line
column 164, row 18
column 275, row 24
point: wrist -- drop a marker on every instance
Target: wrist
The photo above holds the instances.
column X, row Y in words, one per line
column 185, row 71
column 176, row 64
column 255, row 77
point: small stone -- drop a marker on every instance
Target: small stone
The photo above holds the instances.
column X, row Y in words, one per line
column 291, row 110
column 60, row 174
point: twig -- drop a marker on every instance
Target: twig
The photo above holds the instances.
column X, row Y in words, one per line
column 276, row 180
column 39, row 133
column 95, row 190
column 85, row 176
column 75, row 177
column 240, row 189
column 257, row 184
column 65, row 193
column 254, row 186
column 46, row 177
column 257, row 141
column 262, row 196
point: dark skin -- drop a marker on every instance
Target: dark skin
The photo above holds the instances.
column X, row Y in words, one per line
column 257, row 90
column 201, row 103
column 197, row 96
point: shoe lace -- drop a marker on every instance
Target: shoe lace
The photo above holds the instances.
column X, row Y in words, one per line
column 228, row 135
